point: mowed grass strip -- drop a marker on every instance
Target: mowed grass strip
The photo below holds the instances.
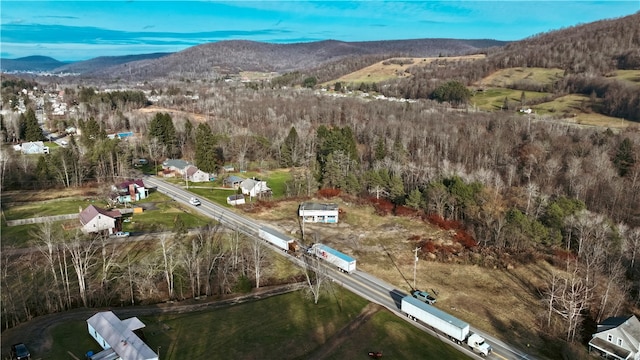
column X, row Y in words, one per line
column 62, row 206
column 286, row 326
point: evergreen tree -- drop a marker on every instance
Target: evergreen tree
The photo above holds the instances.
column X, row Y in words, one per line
column 161, row 127
column 453, row 92
column 32, row 130
column 205, row 144
column 290, row 149
column 91, row 132
column 396, row 189
column 380, row 151
column 414, row 200
column 624, row 158
column 352, row 184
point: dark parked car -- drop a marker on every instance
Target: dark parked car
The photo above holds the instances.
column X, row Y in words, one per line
column 20, row 352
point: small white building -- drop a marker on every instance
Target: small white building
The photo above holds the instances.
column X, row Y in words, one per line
column 617, row 338
column 117, row 338
column 237, row 199
column 318, row 213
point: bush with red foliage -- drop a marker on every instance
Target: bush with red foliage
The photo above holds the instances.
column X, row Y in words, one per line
column 383, row 207
column 328, row 193
column 429, row 247
column 560, row 257
column 444, row 224
column 406, row 211
column 466, row 240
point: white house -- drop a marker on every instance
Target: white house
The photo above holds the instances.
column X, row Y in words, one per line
column 237, row 199
column 196, row 175
column 95, row 219
column 117, row 338
column 34, row 147
column 254, row 187
column 318, row 213
column 617, row 338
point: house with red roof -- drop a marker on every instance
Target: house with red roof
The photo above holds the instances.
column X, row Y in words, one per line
column 97, row 220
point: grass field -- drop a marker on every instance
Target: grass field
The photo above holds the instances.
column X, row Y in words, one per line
column 506, row 77
column 286, row 326
column 387, row 70
column 632, row 76
column 515, row 307
column 493, row 98
column 61, row 206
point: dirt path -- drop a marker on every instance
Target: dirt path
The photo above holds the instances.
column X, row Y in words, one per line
column 338, row 339
column 37, row 332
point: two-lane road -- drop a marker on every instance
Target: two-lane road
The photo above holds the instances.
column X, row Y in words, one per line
column 359, row 282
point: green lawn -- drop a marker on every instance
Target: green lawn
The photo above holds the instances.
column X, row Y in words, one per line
column 493, row 98
column 280, row 327
column 632, row 76
column 506, row 77
column 163, row 215
column 68, row 205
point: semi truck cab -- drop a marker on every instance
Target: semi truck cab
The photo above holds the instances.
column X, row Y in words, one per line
column 476, row 342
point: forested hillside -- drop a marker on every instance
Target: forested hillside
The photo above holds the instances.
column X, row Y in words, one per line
column 587, row 53
column 509, row 189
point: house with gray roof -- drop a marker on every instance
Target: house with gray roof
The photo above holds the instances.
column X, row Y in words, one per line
column 237, row 199
column 233, row 181
column 255, row 188
column 117, row 338
column 95, row 220
column 174, row 167
column 617, row 338
column 34, row 147
column 318, row 212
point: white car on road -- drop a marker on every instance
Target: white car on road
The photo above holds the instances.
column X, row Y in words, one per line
column 194, row 201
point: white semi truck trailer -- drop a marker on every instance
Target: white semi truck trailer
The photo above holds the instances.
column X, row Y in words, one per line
column 344, row 262
column 456, row 329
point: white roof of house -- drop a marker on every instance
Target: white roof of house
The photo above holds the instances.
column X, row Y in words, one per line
column 119, row 335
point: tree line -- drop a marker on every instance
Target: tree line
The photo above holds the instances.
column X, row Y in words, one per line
column 519, row 185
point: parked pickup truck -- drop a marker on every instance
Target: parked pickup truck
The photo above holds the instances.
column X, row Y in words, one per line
column 424, row 296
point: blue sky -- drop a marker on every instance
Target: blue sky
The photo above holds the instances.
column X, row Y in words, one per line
column 80, row 30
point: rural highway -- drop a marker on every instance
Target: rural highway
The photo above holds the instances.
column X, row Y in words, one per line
column 358, row 282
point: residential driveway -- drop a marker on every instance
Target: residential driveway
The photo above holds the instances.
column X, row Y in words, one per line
column 36, row 334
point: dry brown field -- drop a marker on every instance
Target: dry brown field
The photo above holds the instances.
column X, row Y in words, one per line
column 501, row 300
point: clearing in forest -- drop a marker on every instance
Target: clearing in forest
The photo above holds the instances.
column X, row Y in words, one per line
column 395, row 68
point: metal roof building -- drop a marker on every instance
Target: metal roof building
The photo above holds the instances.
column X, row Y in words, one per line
column 117, row 336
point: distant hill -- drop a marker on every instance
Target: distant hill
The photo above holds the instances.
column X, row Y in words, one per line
column 30, row 63
column 102, row 62
column 231, row 57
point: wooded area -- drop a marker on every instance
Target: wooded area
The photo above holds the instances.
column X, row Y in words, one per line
column 516, row 187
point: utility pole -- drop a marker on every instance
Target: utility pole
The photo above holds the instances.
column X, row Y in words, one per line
column 303, row 218
column 415, row 265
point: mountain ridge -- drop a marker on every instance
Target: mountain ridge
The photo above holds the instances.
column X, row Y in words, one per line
column 233, row 56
